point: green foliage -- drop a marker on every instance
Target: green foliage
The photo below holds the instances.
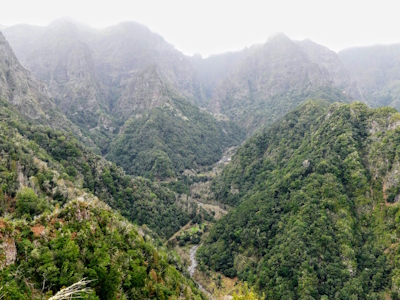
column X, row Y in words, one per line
column 310, row 219
column 169, row 139
column 28, row 203
column 89, row 241
column 51, row 162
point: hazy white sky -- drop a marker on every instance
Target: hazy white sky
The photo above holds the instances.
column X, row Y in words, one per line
column 209, row 27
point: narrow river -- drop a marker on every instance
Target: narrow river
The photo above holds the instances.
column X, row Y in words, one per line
column 192, row 268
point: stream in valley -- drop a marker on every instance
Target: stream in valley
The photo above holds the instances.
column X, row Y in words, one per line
column 192, row 268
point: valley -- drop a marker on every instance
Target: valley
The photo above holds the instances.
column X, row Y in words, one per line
column 142, row 173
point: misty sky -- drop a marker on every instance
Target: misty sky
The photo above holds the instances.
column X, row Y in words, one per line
column 209, row 27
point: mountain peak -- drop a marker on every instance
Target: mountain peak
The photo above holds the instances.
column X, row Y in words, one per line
column 278, row 37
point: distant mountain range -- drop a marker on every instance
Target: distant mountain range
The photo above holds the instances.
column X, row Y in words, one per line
column 266, row 81
column 104, row 79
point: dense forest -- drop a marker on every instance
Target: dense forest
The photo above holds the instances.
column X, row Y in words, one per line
column 57, row 163
column 169, row 139
column 55, row 231
column 315, row 214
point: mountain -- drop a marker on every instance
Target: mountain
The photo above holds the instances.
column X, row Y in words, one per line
column 22, row 92
column 215, row 68
column 123, row 51
column 166, row 140
column 89, row 70
column 316, row 206
column 57, row 55
column 106, row 80
column 377, row 70
column 266, row 81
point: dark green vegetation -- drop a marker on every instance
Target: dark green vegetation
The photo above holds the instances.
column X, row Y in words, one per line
column 314, row 215
column 44, row 247
column 86, row 239
column 167, row 140
column 56, row 162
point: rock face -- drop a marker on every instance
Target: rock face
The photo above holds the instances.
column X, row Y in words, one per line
column 28, row 96
column 124, row 51
column 18, row 86
column 102, row 78
column 216, row 67
column 95, row 72
column 144, row 91
column 330, row 63
column 57, row 55
column 278, row 76
column 377, row 70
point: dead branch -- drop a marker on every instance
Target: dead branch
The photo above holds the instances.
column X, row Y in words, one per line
column 73, row 291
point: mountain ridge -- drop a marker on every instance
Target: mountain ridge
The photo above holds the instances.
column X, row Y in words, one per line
column 311, row 194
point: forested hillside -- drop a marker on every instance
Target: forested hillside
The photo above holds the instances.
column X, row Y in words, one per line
column 168, row 139
column 57, row 162
column 54, row 231
column 84, row 239
column 316, row 198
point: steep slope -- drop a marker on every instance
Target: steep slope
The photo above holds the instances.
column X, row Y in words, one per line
column 216, row 67
column 54, row 231
column 331, row 64
column 377, row 70
column 166, row 140
column 59, row 164
column 277, row 77
column 124, row 50
column 57, row 55
column 106, row 80
column 316, row 212
column 30, row 97
column 86, row 239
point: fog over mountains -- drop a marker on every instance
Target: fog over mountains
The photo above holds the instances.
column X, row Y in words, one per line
column 279, row 164
column 105, row 76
